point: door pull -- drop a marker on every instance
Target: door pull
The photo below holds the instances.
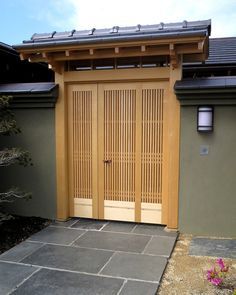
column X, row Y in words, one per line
column 107, row 161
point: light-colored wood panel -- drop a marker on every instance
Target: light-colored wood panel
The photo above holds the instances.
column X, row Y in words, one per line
column 61, row 151
column 138, row 143
column 117, row 210
column 83, row 207
column 152, row 142
column 151, row 213
column 165, row 168
column 100, row 145
column 94, row 144
column 82, row 143
column 118, row 75
column 133, row 131
column 119, row 112
column 173, row 156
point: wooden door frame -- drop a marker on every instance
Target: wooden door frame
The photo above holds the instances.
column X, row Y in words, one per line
column 169, row 74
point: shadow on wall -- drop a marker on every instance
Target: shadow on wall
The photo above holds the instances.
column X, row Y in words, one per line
column 38, row 137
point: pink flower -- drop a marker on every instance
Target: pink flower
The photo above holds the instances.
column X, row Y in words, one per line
column 211, row 274
column 222, row 266
column 220, row 263
column 216, row 281
column 216, row 274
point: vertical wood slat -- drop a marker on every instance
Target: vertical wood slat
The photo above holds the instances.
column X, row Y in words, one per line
column 138, row 150
column 100, row 147
column 152, row 145
column 119, row 109
column 130, row 129
column 82, row 110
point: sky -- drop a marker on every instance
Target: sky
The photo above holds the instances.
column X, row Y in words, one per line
column 20, row 19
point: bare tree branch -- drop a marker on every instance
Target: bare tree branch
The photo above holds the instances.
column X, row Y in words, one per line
column 7, row 118
column 12, row 195
column 9, row 156
column 14, row 155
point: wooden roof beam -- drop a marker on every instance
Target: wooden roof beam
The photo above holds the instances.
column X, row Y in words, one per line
column 172, row 49
column 45, row 55
column 24, row 56
column 174, row 57
column 201, row 45
column 56, row 67
column 108, row 53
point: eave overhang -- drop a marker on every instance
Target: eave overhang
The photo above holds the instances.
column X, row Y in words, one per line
column 210, row 91
column 31, row 95
column 190, row 41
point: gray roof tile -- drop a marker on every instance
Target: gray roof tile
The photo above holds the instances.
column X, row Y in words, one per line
column 222, row 50
column 27, row 87
column 139, row 32
column 205, row 83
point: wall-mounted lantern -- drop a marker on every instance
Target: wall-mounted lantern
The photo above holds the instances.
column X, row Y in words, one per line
column 205, row 118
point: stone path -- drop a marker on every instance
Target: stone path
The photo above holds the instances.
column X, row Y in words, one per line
column 84, row 256
column 213, row 247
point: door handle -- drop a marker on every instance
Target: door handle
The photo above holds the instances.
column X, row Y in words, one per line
column 107, row 161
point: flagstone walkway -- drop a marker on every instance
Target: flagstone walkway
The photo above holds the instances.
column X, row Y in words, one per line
column 83, row 256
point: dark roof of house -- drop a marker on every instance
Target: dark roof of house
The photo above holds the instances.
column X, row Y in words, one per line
column 31, row 94
column 211, row 90
column 222, row 50
column 28, row 88
column 7, row 48
column 206, row 83
column 139, row 32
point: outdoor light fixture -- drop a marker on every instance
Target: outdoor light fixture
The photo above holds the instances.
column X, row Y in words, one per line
column 205, row 117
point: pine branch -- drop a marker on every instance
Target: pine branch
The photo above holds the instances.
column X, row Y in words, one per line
column 12, row 195
column 14, row 156
column 7, row 118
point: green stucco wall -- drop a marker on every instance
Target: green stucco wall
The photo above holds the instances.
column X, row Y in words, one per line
column 207, row 195
column 38, row 137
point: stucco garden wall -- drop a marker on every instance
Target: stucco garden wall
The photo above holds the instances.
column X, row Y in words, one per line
column 38, row 137
column 207, row 192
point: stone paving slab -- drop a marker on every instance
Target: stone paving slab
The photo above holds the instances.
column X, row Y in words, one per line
column 123, row 227
column 89, row 257
column 89, row 224
column 67, row 223
column 162, row 246
column 69, row 258
column 52, row 282
column 113, row 241
column 213, row 247
column 139, row 288
column 57, row 235
column 13, row 274
column 20, row 251
column 154, row 230
column 135, row 266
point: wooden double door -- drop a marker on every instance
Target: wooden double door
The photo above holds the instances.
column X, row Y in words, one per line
column 117, row 150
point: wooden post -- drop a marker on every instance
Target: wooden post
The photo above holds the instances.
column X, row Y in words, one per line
column 61, row 150
column 173, row 148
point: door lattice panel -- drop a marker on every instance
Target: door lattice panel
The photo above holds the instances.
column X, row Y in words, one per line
column 82, row 144
column 152, row 145
column 117, row 150
column 119, row 145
